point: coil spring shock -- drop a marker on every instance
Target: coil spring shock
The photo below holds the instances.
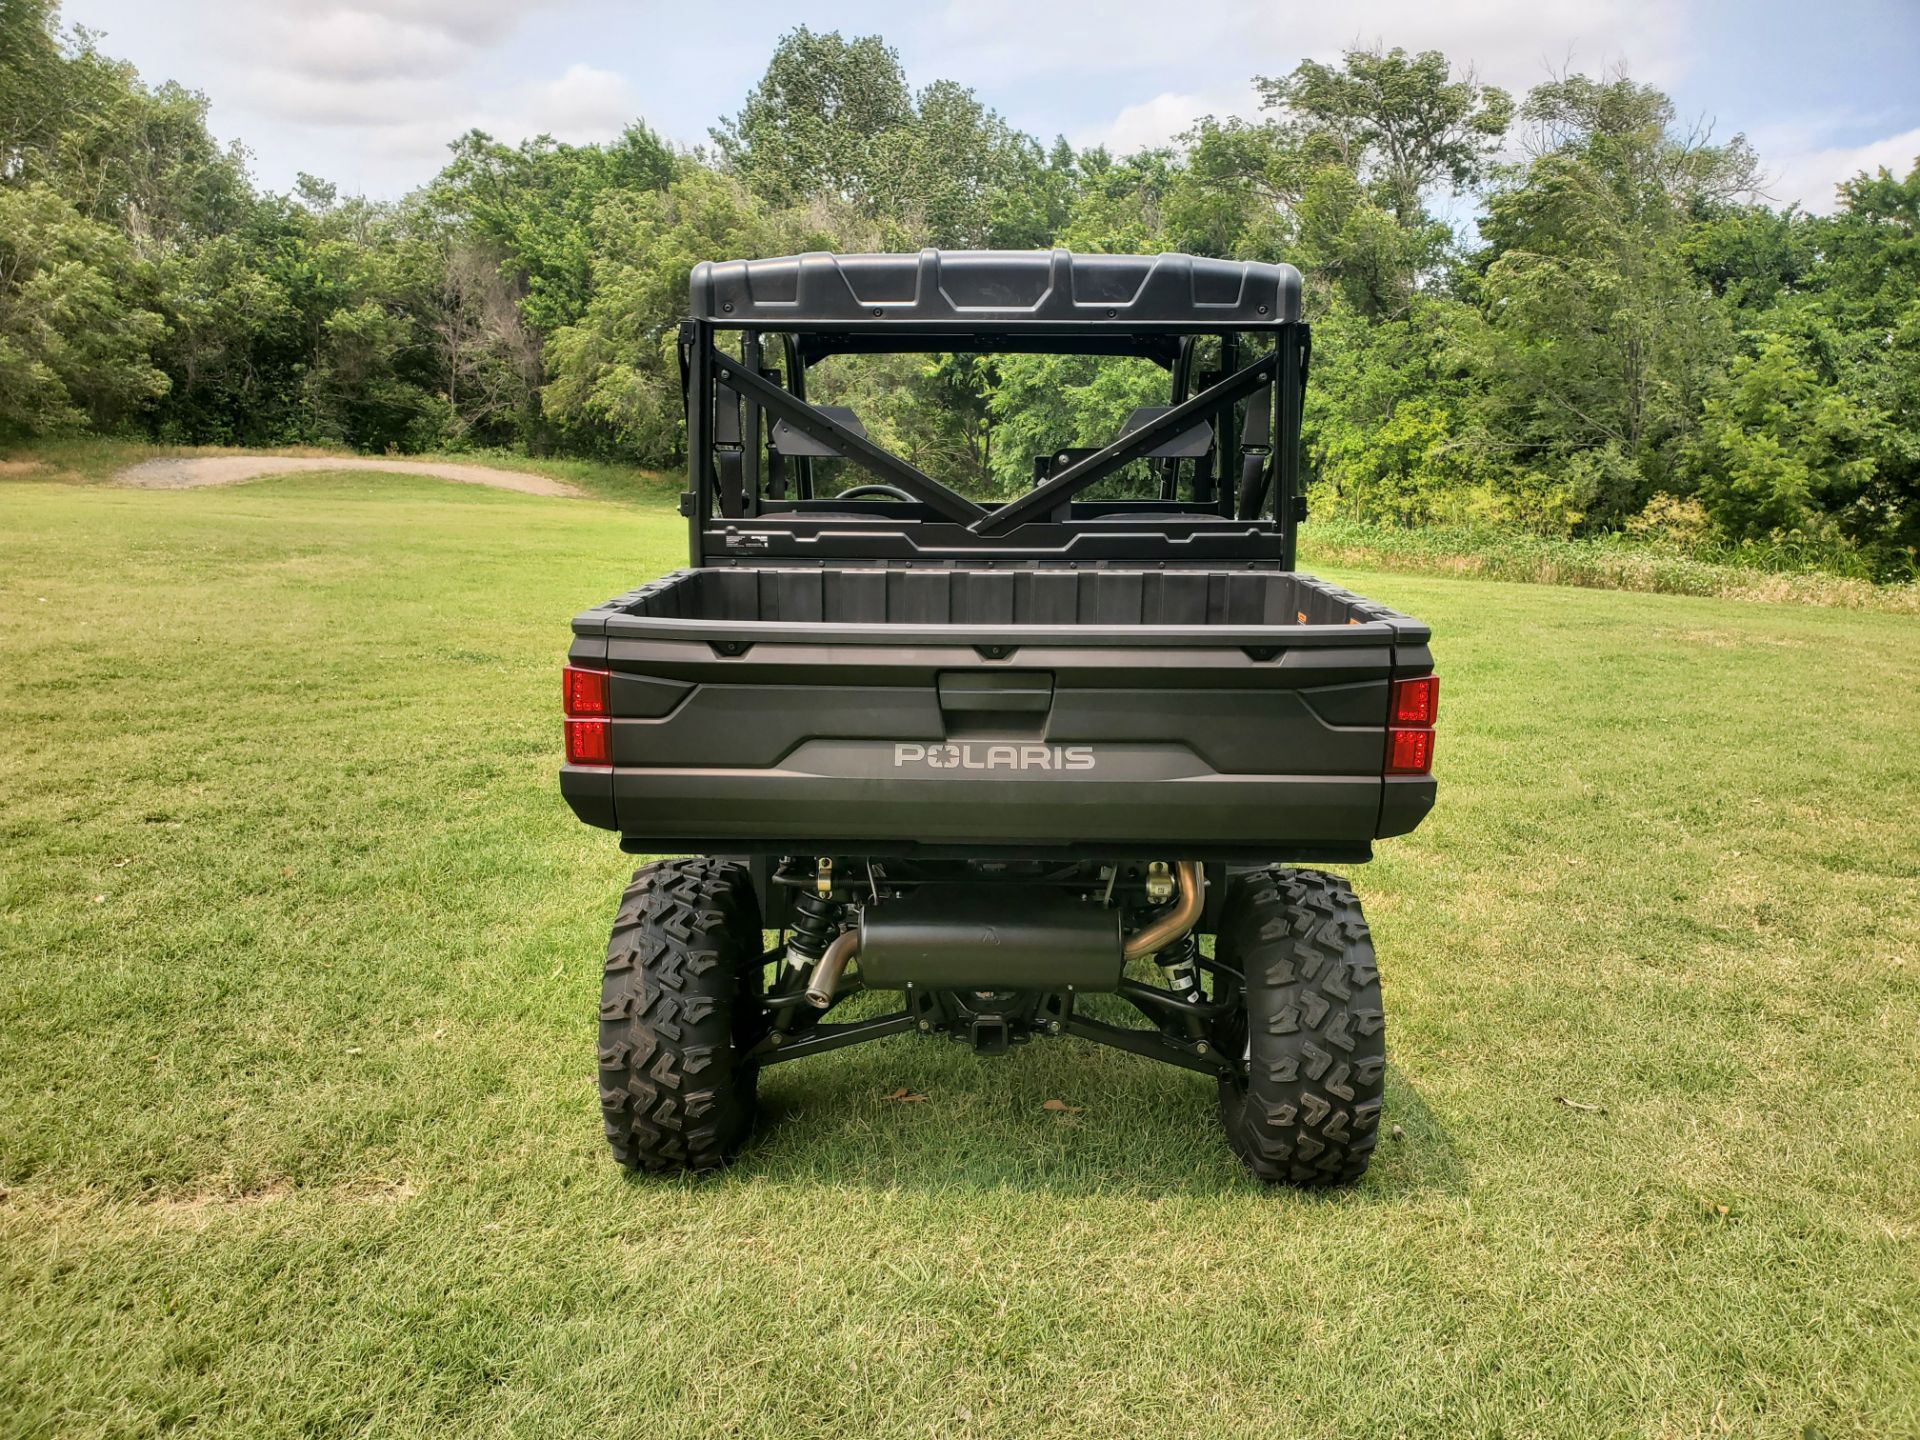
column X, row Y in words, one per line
column 816, row 921
column 1180, row 960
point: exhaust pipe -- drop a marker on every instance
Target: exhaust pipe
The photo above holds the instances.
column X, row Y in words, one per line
column 1156, row 935
column 1149, row 939
column 826, row 974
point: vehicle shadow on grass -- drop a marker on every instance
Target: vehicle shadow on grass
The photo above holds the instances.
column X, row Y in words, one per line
column 1059, row 1117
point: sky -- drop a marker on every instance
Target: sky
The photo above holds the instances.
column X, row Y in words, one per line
column 367, row 93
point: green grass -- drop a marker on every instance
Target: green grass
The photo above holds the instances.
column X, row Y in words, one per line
column 1610, row 562
column 1775, row 573
column 299, row 958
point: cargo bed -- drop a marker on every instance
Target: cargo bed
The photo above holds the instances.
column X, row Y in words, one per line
column 896, row 710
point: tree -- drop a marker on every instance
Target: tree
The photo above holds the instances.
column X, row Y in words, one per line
column 1400, row 122
column 1854, row 323
column 1631, row 338
column 1336, row 177
column 1778, row 451
column 73, row 351
column 1599, row 340
column 1040, row 404
column 833, row 121
column 514, row 228
column 1387, row 425
column 953, row 173
column 813, row 128
column 533, row 205
column 1120, row 205
column 612, row 374
column 32, row 75
column 120, row 153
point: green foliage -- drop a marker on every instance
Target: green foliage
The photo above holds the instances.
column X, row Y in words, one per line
column 533, row 205
column 73, row 352
column 1041, row 404
column 817, row 124
column 1403, row 123
column 1118, row 205
column 614, row 372
column 1600, row 341
column 834, row 120
column 1626, row 329
column 1684, row 560
column 930, row 409
column 1777, row 450
column 1383, row 413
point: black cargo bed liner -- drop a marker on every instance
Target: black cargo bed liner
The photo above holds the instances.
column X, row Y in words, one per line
column 1131, row 606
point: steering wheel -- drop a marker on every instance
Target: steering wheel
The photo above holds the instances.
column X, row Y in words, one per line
column 862, row 492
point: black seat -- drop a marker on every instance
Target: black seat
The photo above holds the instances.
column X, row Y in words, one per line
column 789, row 441
column 1189, row 444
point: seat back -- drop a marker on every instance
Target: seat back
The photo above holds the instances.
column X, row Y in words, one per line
column 789, row 441
column 1189, row 444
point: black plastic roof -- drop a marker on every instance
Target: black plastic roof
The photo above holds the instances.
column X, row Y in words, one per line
column 1012, row 290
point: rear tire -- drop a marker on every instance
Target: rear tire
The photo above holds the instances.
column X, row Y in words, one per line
column 1307, row 1110
column 678, row 1000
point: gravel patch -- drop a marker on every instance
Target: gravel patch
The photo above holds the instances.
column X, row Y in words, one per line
column 192, row 472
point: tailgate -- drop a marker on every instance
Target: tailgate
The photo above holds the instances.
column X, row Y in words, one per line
column 1245, row 739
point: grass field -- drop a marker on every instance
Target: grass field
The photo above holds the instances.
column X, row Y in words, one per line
column 299, row 954
column 1611, row 562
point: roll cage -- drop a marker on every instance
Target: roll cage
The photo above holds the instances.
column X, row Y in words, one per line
column 1226, row 444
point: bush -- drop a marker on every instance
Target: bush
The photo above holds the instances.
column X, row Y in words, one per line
column 1671, row 523
column 1754, row 571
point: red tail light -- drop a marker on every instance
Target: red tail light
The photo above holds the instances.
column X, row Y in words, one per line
column 589, row 742
column 584, row 692
column 1415, row 705
column 1417, row 701
column 1409, row 752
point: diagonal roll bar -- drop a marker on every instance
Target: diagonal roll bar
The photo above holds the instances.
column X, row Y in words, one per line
column 857, row 448
column 1097, row 466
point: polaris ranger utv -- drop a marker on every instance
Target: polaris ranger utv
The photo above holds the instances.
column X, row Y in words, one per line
column 1007, row 760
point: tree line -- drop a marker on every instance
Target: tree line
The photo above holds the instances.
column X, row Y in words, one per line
column 1565, row 312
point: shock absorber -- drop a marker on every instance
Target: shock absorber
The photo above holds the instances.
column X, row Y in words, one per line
column 1180, row 961
column 816, row 921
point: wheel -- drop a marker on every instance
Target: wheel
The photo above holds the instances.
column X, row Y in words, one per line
column 678, row 1002
column 862, row 492
column 1307, row 1109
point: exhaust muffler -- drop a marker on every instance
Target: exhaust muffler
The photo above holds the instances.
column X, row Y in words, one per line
column 968, row 936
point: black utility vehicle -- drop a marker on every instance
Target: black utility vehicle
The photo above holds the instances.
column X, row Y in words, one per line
column 1010, row 760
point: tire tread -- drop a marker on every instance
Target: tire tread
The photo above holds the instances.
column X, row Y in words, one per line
column 675, row 1093
column 1308, row 1110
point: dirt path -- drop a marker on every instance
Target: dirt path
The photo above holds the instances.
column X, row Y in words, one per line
column 194, row 471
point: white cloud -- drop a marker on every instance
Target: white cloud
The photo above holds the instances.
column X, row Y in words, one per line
column 1162, row 119
column 1512, row 43
column 584, row 105
column 368, row 64
column 1811, row 176
column 401, row 130
column 371, row 36
column 397, row 80
column 1015, row 38
column 1515, row 43
column 344, row 44
column 372, row 102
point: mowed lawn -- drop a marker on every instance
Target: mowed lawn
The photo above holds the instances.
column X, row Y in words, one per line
column 299, row 956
